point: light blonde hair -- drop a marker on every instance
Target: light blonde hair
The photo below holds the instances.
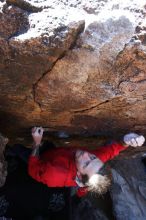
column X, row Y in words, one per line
column 99, row 183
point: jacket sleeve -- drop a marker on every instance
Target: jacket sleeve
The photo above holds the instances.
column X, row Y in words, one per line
column 108, row 152
column 46, row 172
column 36, row 168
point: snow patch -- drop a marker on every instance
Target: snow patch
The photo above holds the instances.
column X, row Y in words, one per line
column 61, row 12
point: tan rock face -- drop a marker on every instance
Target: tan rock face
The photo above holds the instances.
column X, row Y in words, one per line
column 57, row 74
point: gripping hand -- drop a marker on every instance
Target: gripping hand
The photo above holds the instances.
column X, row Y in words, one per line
column 134, row 140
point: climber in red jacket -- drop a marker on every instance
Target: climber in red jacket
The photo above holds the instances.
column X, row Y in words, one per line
column 73, row 167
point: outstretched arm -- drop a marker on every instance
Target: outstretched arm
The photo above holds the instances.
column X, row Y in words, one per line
column 110, row 151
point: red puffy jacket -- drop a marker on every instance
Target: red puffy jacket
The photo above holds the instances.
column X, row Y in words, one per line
column 56, row 167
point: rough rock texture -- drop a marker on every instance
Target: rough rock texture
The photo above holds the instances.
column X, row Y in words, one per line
column 72, row 65
column 129, row 188
column 13, row 21
column 3, row 163
column 85, row 210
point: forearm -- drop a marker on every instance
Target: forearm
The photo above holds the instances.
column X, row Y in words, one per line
column 108, row 152
column 37, row 134
column 35, row 151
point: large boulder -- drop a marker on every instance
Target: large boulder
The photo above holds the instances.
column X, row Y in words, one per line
column 72, row 65
column 128, row 191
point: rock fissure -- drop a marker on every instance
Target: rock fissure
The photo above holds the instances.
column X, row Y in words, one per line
column 34, row 97
column 90, row 108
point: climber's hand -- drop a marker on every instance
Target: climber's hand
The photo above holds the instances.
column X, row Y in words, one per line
column 37, row 134
column 134, row 140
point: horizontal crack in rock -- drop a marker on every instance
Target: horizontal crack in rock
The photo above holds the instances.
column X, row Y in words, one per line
column 90, row 108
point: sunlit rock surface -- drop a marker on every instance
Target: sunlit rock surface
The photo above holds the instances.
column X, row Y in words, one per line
column 76, row 66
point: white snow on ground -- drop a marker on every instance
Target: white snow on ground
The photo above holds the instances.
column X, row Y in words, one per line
column 1, row 6
column 57, row 13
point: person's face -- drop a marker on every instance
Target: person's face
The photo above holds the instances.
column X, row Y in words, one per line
column 87, row 163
